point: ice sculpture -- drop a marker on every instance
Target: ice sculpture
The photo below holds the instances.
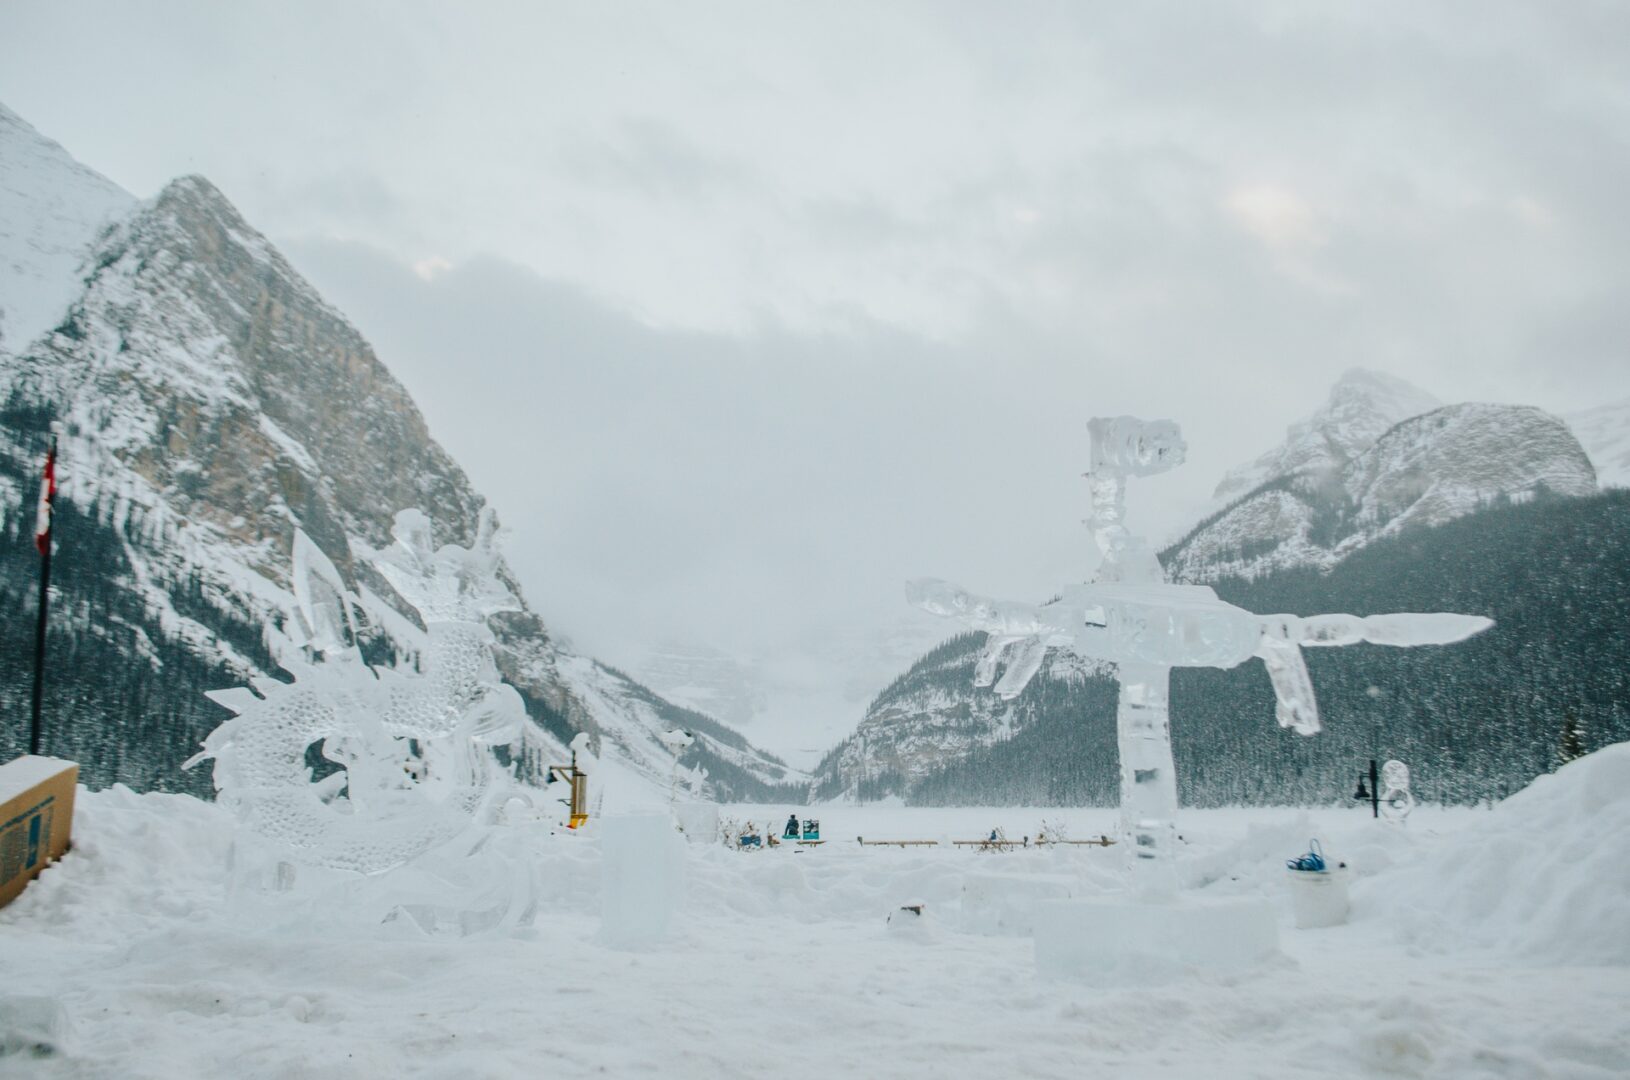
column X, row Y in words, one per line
column 1130, row 616
column 642, row 879
column 1396, row 799
column 411, row 743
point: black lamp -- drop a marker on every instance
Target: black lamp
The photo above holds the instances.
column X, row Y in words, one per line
column 1372, row 793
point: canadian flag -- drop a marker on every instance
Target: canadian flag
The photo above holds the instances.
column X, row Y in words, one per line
column 48, row 494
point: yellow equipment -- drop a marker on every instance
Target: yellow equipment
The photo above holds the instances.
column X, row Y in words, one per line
column 579, row 801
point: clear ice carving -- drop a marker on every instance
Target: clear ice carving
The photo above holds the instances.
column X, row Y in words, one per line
column 1132, row 617
column 412, row 743
column 1396, row 799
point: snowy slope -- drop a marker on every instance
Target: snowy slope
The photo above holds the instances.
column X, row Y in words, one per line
column 701, row 677
column 633, row 717
column 933, row 716
column 1567, row 832
column 1363, row 406
column 1453, row 460
column 51, row 209
column 1605, row 434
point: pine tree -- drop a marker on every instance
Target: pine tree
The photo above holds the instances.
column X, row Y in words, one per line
column 1572, row 745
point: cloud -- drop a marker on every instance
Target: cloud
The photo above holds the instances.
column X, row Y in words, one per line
column 1278, row 217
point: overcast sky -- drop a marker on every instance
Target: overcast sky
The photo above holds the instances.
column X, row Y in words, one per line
column 744, row 313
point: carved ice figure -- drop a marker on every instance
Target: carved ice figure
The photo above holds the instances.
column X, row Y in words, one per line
column 1131, row 617
column 412, row 746
column 1396, row 799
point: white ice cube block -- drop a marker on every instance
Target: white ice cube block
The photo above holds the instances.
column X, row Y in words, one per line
column 642, row 879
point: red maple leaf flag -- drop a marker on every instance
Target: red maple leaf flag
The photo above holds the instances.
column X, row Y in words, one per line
column 48, row 494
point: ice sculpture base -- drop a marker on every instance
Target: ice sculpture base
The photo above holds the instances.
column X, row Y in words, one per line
column 642, row 879
column 1125, row 942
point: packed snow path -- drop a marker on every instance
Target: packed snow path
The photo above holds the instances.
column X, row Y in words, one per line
column 129, row 960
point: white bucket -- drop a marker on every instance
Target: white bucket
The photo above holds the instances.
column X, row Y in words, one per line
column 1318, row 897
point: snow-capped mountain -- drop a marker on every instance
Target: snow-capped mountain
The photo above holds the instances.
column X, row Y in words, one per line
column 1604, row 432
column 1325, row 494
column 704, row 678
column 1363, row 406
column 51, row 209
column 213, row 403
column 933, row 716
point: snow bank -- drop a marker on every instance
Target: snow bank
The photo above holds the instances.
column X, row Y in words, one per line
column 137, row 956
column 1545, row 876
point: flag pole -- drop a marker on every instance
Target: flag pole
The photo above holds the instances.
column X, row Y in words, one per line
column 42, row 540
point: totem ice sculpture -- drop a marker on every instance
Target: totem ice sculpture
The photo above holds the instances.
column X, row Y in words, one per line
column 412, row 743
column 1131, row 617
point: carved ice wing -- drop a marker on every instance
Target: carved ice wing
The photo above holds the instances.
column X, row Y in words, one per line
column 1283, row 636
column 1002, row 617
column 1401, row 629
column 984, row 669
column 1026, row 661
column 1295, row 706
column 1019, row 633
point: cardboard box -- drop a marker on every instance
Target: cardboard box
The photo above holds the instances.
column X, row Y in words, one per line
column 36, row 816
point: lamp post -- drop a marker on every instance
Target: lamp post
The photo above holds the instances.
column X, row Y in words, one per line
column 1373, row 793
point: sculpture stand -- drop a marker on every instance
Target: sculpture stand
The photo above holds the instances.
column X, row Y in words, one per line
column 1154, row 934
column 1148, row 780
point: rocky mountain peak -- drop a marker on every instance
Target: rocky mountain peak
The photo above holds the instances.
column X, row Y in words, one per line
column 222, row 385
column 1361, row 407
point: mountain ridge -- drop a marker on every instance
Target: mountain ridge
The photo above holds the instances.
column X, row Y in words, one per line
column 1425, row 469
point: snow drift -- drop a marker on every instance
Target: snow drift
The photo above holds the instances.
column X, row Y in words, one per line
column 1545, row 877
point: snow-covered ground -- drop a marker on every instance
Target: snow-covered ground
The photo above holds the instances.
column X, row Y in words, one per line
column 1483, row 943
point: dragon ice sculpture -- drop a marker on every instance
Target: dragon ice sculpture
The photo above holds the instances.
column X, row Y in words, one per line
column 1130, row 616
column 412, row 744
